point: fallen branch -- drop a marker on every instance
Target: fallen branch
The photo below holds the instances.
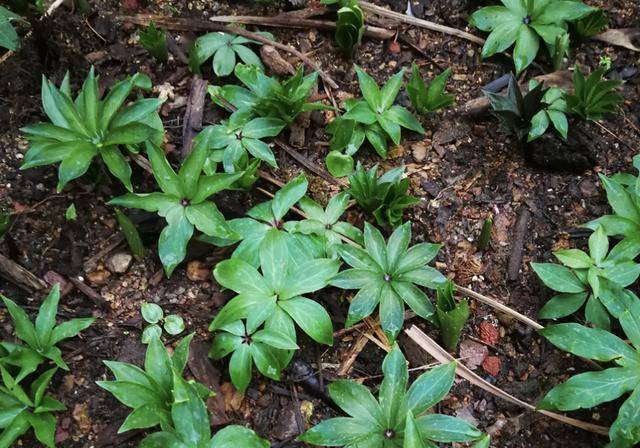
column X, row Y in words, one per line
column 317, row 170
column 192, row 122
column 377, row 10
column 431, row 347
column 16, row 274
column 194, row 25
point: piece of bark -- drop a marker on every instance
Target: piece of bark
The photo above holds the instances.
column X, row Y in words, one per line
column 90, row 293
column 272, row 59
column 16, row 274
column 515, row 259
column 192, row 123
column 208, row 375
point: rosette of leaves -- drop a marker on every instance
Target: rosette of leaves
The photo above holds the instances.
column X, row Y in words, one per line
column 224, row 48
column 266, row 216
column 587, row 390
column 154, row 316
column 242, row 134
column 154, row 40
column 429, row 98
column 583, row 276
column 190, row 424
column 382, row 120
column 388, row 275
column 149, row 391
column 385, row 197
column 326, row 224
column 623, row 195
column 22, row 409
column 516, row 111
column 42, row 338
column 554, row 112
column 183, row 202
column 525, row 22
column 399, row 416
column 88, row 126
column 267, row 97
column 451, row 316
column 267, row 348
column 275, row 294
column 593, row 97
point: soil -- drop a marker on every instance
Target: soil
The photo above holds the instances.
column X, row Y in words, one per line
column 464, row 171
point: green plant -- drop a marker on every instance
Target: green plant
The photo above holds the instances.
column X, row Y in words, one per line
column 83, row 128
column 376, row 108
column 326, row 223
column 224, row 48
column 525, row 22
column 350, row 24
column 451, row 316
column 592, row 23
column 593, row 97
column 385, row 197
column 70, row 214
column 8, row 35
column 242, row 133
column 605, row 62
column 623, row 195
column 267, row 348
column 22, row 410
column 183, row 201
column 586, row 390
column 274, row 296
column 41, row 338
column 266, row 216
column 130, row 234
column 426, row 99
column 582, row 277
column 191, row 427
column 554, row 112
column 149, row 392
column 267, row 97
column 154, row 40
column 398, row 417
column 563, row 43
column 387, row 274
column 153, row 314
column 515, row 111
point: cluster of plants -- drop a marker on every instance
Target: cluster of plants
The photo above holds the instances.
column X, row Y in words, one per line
column 27, row 368
column 529, row 115
column 598, row 279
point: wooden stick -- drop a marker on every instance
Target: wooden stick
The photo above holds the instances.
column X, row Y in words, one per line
column 20, row 276
column 374, row 9
column 191, row 25
column 431, row 347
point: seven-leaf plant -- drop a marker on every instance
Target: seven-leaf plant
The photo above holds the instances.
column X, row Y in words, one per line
column 586, row 390
column 275, row 294
column 426, row 99
column 265, row 347
column 184, row 200
column 580, row 277
column 42, row 338
column 224, row 48
column 388, row 275
column 525, row 22
column 326, row 223
column 88, row 126
column 242, row 134
column 398, row 418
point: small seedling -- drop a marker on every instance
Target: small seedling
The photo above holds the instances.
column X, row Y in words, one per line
column 70, row 214
column 426, row 99
column 592, row 96
column 451, row 316
column 131, row 234
column 154, row 315
column 154, row 40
